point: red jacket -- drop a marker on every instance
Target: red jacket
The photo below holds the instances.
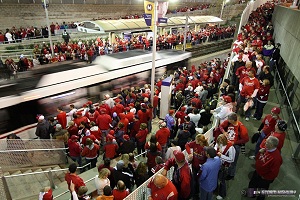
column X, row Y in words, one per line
column 75, row 179
column 73, row 130
column 162, row 136
column 268, row 164
column 78, row 120
column 142, row 135
column 74, row 148
column 110, row 150
column 181, row 178
column 143, row 116
column 92, row 116
column 90, row 152
column 168, row 192
column 103, row 121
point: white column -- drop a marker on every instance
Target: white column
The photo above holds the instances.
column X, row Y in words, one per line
column 49, row 31
column 154, row 51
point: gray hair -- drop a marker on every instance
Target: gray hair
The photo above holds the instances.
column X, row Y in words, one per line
column 273, row 141
column 232, row 116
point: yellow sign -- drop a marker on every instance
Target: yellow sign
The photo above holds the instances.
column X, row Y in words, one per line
column 149, row 10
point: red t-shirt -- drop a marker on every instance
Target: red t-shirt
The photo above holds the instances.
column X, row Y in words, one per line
column 75, row 179
column 162, row 136
column 249, row 85
column 236, row 134
column 62, row 119
column 120, row 195
column 169, row 192
column 199, row 156
column 269, row 124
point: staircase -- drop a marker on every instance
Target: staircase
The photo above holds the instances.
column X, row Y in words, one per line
column 27, row 187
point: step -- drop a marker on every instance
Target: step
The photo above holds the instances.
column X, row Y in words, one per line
column 42, row 178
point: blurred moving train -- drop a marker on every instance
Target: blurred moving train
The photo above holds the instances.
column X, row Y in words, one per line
column 42, row 90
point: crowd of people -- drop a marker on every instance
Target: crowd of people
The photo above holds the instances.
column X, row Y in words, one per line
column 31, row 32
column 89, row 50
column 116, row 127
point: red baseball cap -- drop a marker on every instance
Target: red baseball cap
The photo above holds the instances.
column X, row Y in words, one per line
column 179, row 156
column 74, row 137
column 276, row 110
column 126, row 137
column 227, row 99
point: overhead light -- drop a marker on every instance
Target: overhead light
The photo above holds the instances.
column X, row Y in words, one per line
column 62, row 95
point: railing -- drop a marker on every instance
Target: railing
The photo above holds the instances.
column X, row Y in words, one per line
column 140, row 193
column 48, row 173
column 119, row 2
column 291, row 115
column 16, row 154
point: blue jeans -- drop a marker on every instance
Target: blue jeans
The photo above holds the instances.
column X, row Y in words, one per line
column 204, row 195
column 232, row 167
column 259, row 110
column 260, row 139
column 77, row 159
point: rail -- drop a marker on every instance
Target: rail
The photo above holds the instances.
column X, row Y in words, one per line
column 48, row 172
column 292, row 114
column 28, row 150
column 65, row 192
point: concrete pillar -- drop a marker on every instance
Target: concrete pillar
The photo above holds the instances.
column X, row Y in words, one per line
column 165, row 99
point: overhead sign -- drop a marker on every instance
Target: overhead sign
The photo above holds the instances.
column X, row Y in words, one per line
column 162, row 9
column 149, row 14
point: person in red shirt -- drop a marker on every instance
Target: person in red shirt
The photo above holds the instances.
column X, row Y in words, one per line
column 62, row 117
column 72, row 128
column 90, row 54
column 248, row 90
column 198, row 156
column 78, row 118
column 75, row 149
column 162, row 188
column 266, row 127
column 279, row 133
column 182, row 176
column 162, row 136
column 92, row 114
column 237, row 134
column 262, row 98
column 110, row 147
column 141, row 138
column 267, row 165
column 120, row 192
column 103, row 121
column 72, row 176
column 90, row 152
column 155, row 105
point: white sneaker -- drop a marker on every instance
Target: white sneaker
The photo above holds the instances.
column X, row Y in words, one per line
column 219, row 197
column 247, row 118
column 252, row 157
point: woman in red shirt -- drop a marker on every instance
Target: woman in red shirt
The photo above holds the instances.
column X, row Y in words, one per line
column 141, row 137
column 90, row 152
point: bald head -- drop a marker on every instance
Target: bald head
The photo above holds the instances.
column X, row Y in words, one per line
column 160, row 181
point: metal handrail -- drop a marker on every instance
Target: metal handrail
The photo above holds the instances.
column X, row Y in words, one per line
column 44, row 172
column 67, row 191
column 288, row 100
column 27, row 150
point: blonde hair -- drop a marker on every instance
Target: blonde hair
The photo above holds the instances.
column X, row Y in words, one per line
column 200, row 138
column 104, row 173
column 222, row 139
column 125, row 158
